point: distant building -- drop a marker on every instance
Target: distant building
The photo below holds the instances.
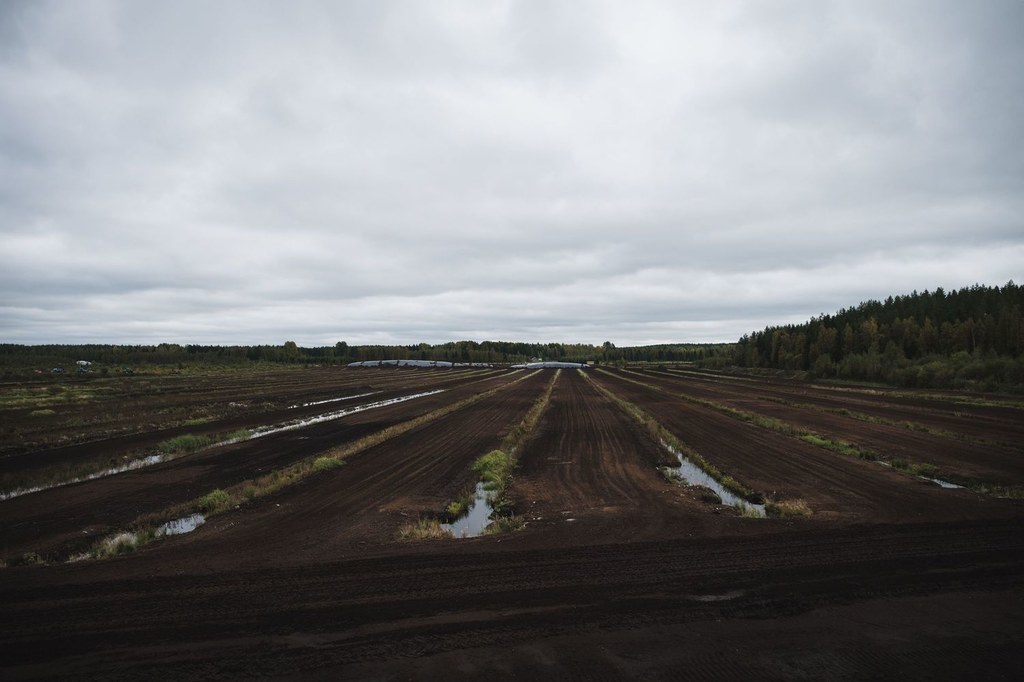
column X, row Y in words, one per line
column 551, row 364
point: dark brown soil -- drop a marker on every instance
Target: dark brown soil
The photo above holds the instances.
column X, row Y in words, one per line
column 618, row 574
column 68, row 519
column 953, row 448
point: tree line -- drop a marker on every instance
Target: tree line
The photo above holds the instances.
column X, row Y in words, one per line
column 971, row 337
column 16, row 359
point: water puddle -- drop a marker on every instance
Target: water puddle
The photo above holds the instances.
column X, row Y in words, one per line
column 181, row 526
column 130, row 540
column 333, row 400
column 476, row 518
column 691, row 474
column 943, row 484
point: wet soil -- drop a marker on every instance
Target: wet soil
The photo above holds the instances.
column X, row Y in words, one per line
column 956, row 452
column 892, row 578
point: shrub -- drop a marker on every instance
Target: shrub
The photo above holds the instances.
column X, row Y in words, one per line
column 495, row 469
column 183, row 444
column 326, row 463
column 423, row 529
column 215, row 501
column 122, row 543
column 787, row 509
column 460, row 505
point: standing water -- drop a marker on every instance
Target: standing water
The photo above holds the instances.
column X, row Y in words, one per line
column 477, row 517
column 691, row 474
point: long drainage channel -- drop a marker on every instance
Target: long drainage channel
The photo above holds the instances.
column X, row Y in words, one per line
column 937, row 481
column 331, row 416
column 259, row 432
column 691, row 474
column 333, row 400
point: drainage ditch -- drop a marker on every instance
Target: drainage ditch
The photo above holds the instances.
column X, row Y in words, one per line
column 258, row 432
column 691, row 474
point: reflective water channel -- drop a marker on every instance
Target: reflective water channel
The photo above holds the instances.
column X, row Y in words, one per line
column 477, row 517
column 691, row 474
column 257, row 432
column 182, row 525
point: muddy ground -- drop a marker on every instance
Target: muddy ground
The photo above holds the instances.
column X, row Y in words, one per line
column 618, row 574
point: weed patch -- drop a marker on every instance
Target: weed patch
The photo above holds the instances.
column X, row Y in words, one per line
column 925, row 470
column 495, row 469
column 505, row 524
column 239, row 435
column 215, row 502
column 1007, row 492
column 184, row 444
column 787, row 509
column 458, row 507
column 423, row 529
column 326, row 463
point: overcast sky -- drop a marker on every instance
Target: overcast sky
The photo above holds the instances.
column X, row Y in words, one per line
column 377, row 172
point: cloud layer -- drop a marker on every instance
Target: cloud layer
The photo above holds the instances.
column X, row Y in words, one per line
column 408, row 171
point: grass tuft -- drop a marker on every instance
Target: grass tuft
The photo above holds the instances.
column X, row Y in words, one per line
column 505, row 524
column 459, row 507
column 495, row 469
column 1007, row 492
column 748, row 512
column 326, row 463
column 216, row 501
column 239, row 435
column 423, row 529
column 787, row 509
column 183, row 444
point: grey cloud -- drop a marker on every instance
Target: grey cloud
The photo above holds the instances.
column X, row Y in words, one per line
column 400, row 172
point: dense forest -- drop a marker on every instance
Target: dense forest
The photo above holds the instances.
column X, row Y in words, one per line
column 972, row 337
column 20, row 359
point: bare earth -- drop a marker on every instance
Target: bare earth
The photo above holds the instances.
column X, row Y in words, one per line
column 618, row 574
